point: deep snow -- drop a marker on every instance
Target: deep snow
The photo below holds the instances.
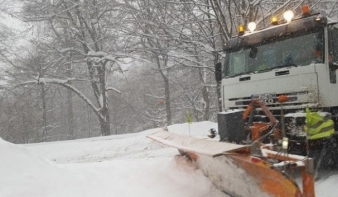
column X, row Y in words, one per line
column 122, row 165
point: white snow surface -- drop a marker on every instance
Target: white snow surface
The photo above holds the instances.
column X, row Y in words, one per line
column 122, row 165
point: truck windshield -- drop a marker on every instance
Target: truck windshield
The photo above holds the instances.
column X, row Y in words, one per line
column 300, row 50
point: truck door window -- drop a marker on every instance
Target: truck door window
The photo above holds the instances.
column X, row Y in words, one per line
column 239, row 63
column 333, row 52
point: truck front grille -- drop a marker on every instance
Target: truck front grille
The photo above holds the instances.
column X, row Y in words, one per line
column 293, row 100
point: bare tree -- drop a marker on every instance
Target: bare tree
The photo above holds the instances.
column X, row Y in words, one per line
column 92, row 25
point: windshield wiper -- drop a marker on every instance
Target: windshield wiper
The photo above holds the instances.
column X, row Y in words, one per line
column 280, row 66
column 244, row 73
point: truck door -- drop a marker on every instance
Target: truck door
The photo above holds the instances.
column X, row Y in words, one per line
column 333, row 53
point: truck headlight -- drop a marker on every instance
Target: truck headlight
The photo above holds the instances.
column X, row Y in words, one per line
column 252, row 26
column 288, row 15
column 285, row 143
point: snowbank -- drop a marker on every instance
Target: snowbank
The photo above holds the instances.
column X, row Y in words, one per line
column 125, row 165
column 128, row 165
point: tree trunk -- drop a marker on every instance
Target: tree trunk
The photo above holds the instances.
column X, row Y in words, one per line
column 206, row 110
column 205, row 93
column 105, row 123
column 70, row 115
column 105, row 128
column 165, row 78
column 100, row 93
column 44, row 113
column 89, row 121
column 167, row 100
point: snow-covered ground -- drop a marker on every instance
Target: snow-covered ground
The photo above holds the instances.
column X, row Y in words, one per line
column 123, row 165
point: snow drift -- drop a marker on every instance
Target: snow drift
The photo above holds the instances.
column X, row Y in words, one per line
column 124, row 165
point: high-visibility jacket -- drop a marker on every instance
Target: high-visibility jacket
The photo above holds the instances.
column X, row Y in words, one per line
column 318, row 126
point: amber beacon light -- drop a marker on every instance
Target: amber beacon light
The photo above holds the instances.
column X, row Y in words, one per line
column 274, row 20
column 305, row 10
column 241, row 30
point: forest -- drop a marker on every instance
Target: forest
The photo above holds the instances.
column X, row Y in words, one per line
column 81, row 68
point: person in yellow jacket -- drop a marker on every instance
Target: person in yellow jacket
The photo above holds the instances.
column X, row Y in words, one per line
column 317, row 126
column 320, row 130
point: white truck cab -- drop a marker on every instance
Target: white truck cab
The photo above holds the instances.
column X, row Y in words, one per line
column 298, row 59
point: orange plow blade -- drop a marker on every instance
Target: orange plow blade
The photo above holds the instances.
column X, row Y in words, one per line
column 233, row 169
column 271, row 181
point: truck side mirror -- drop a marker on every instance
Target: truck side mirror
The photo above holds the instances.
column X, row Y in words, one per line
column 218, row 72
column 334, row 66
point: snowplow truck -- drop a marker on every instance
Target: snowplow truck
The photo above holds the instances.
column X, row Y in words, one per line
column 296, row 58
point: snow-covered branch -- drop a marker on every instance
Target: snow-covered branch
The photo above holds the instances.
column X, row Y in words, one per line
column 64, row 83
column 113, row 89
